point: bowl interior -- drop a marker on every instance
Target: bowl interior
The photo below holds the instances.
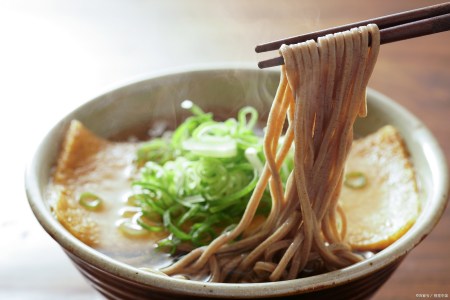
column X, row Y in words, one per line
column 225, row 91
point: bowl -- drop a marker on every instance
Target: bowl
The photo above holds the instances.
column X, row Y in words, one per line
column 226, row 89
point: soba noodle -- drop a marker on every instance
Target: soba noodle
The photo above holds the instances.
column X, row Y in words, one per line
column 321, row 92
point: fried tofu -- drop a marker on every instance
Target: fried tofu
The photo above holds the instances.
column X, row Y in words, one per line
column 382, row 209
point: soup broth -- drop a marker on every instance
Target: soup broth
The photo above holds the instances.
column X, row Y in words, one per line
column 107, row 169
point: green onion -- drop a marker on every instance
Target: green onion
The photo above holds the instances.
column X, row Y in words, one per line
column 168, row 245
column 176, row 231
column 200, row 181
column 252, row 156
column 132, row 229
column 195, row 109
column 211, row 148
column 202, row 234
column 157, row 150
column 242, row 117
column 90, row 201
column 142, row 221
column 355, row 180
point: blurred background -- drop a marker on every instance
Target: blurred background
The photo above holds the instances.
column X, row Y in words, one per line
column 55, row 55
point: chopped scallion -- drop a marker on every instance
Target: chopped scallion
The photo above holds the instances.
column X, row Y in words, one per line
column 90, row 201
column 200, row 181
column 355, row 180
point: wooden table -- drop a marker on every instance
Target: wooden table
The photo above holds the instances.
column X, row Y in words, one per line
column 55, row 55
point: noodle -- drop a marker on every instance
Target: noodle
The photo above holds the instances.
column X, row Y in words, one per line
column 321, row 92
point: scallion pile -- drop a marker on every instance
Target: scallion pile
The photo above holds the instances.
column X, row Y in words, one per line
column 196, row 183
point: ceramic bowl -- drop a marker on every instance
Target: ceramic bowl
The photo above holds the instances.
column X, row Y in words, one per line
column 226, row 89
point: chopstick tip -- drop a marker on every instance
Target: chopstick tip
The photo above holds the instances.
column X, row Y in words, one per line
column 277, row 61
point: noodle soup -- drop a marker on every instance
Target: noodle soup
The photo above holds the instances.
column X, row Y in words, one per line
column 109, row 173
column 223, row 90
column 230, row 206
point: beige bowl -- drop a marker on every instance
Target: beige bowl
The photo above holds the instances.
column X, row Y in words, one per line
column 226, row 89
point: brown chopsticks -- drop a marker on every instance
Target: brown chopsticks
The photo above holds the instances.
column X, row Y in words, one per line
column 393, row 28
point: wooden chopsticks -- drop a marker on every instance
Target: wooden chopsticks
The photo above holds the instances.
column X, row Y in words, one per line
column 393, row 28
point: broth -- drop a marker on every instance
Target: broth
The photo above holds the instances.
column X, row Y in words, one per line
column 108, row 170
column 112, row 183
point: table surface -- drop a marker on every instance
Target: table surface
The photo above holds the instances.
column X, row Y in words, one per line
column 55, row 55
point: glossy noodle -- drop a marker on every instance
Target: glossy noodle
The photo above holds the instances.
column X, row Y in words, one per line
column 322, row 91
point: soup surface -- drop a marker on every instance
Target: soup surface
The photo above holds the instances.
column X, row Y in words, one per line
column 379, row 195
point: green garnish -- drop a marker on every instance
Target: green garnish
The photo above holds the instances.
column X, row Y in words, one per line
column 355, row 180
column 130, row 228
column 156, row 150
column 196, row 183
column 90, row 201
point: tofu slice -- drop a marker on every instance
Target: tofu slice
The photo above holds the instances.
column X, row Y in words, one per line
column 387, row 205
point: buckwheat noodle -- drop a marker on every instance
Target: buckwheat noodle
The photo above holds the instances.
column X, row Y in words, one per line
column 321, row 92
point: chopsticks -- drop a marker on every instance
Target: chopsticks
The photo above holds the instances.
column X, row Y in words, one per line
column 393, row 28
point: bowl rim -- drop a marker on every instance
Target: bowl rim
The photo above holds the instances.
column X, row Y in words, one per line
column 406, row 243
